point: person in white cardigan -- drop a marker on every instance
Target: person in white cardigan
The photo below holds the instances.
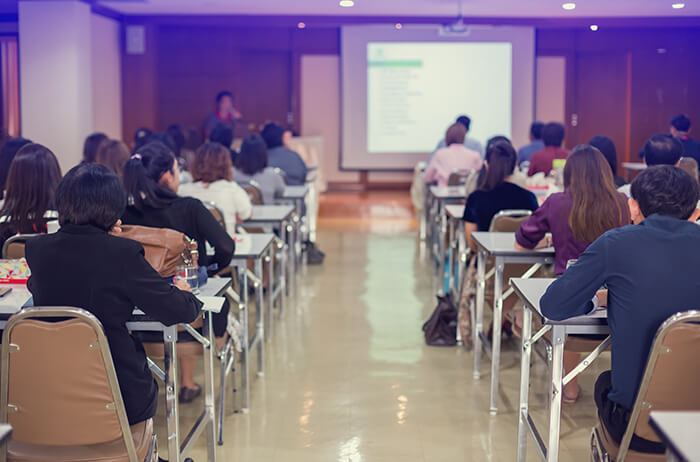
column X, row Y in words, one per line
column 213, row 182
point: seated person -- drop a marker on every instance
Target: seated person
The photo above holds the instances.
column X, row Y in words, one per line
column 251, row 165
column 607, row 147
column 29, row 198
column 553, row 137
column 633, row 263
column 662, row 149
column 9, row 150
column 690, row 166
column 452, row 157
column 91, row 145
column 279, row 156
column 82, row 265
column 151, row 181
column 469, row 143
column 496, row 192
column 213, row 182
column 113, row 154
column 223, row 134
column 536, row 144
column 588, row 207
column 680, row 128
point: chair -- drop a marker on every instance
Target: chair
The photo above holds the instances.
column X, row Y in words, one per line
column 670, row 383
column 60, row 392
column 253, row 190
column 281, row 173
column 216, row 211
column 468, row 178
column 13, row 248
column 508, row 221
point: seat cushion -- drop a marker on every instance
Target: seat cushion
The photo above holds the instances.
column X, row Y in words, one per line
column 113, row 451
column 612, row 448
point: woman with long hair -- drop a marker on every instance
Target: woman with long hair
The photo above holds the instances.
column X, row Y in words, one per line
column 589, row 206
column 29, row 198
column 151, row 181
column 496, row 191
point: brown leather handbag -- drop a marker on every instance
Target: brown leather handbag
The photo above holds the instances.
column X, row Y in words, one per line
column 166, row 249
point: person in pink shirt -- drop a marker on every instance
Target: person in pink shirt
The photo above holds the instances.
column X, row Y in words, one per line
column 452, row 157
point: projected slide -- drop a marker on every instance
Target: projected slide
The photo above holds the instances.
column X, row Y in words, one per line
column 416, row 89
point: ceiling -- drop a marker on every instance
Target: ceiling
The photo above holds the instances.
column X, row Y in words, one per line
column 398, row 8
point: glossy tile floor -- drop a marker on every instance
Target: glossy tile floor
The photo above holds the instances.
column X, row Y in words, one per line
column 349, row 378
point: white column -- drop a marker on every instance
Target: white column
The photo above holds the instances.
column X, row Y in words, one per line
column 56, row 76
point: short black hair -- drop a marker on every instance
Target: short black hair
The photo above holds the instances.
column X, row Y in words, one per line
column 666, row 190
column 222, row 134
column 272, row 133
column 553, row 134
column 607, row 147
column 163, row 138
column 464, row 120
column 90, row 194
column 536, row 129
column 662, row 149
column 253, row 156
column 178, row 135
column 92, row 143
column 141, row 136
column 681, row 122
column 223, row 94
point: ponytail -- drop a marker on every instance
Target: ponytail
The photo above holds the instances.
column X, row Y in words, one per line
column 142, row 174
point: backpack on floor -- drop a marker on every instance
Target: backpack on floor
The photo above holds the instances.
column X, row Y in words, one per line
column 441, row 328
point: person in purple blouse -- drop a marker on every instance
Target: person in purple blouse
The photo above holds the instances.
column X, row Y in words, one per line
column 588, row 207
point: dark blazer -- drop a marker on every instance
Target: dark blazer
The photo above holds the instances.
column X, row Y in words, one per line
column 650, row 271
column 84, row 267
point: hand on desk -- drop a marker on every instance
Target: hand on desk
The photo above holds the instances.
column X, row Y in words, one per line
column 602, row 297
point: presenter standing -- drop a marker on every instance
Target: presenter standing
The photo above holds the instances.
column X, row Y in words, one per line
column 226, row 113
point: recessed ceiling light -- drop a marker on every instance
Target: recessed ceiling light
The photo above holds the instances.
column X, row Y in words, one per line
column 678, row 6
column 346, row 3
column 569, row 6
column 594, row 27
column 301, row 25
column 398, row 25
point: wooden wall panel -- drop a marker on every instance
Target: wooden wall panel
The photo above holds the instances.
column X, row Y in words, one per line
column 617, row 81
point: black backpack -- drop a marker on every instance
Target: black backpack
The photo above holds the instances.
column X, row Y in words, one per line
column 441, row 328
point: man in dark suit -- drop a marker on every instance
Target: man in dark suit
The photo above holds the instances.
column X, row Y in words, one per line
column 650, row 271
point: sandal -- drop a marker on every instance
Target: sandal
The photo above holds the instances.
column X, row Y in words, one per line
column 187, row 395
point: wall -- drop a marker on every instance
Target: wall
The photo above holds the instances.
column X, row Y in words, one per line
column 55, row 86
column 106, row 76
column 626, row 80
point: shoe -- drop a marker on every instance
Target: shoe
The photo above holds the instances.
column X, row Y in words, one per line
column 571, row 399
column 187, row 395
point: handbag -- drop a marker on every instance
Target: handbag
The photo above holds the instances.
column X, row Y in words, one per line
column 165, row 249
column 441, row 328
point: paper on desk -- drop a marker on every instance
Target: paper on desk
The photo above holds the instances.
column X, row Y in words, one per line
column 212, row 304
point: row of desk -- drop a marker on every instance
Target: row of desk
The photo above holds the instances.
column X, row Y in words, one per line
column 448, row 249
column 282, row 253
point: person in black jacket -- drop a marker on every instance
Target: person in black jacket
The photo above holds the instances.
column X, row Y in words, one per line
column 83, row 266
column 151, row 180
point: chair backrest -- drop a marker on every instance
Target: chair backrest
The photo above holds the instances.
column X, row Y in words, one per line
column 216, row 211
column 671, row 380
column 58, row 386
column 458, row 177
column 253, row 190
column 281, row 173
column 508, row 221
column 14, row 247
